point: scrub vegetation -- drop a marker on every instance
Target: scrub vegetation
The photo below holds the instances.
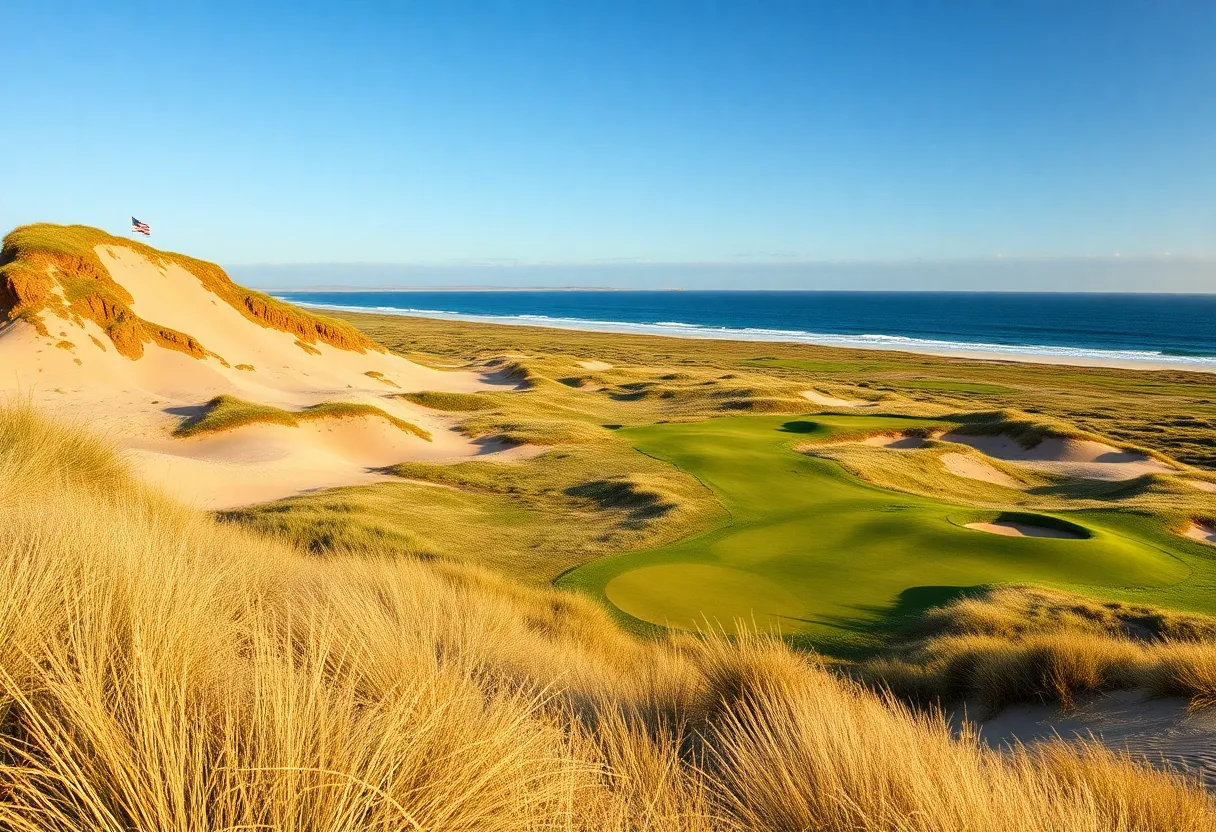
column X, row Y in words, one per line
column 229, row 413
column 163, row 671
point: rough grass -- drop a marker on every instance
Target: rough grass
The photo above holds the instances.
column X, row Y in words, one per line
column 462, row 402
column 37, row 259
column 531, row 521
column 1172, row 412
column 160, row 671
column 1018, row 643
column 229, row 413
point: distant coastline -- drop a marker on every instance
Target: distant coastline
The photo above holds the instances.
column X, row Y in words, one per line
column 1157, row 332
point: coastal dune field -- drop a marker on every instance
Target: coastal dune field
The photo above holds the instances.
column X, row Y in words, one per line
column 388, row 572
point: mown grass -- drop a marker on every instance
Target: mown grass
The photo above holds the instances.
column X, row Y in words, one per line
column 230, row 413
column 36, row 259
column 161, row 671
column 810, row 551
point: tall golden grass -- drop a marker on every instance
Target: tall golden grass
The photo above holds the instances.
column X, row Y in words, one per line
column 1013, row 644
column 159, row 671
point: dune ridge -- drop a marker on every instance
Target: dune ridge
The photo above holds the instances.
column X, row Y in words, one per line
column 138, row 341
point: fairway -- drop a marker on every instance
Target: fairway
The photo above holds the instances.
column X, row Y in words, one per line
column 811, row 551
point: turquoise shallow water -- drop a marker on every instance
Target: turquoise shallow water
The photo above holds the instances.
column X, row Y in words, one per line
column 1178, row 328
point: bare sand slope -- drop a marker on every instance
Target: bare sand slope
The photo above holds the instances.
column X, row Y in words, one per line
column 832, row 401
column 1009, row 528
column 962, row 465
column 895, row 442
column 1069, row 457
column 1162, row 731
column 1202, row 485
column 78, row 374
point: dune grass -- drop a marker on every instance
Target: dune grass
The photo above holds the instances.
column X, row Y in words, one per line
column 463, row 402
column 1012, row 644
column 36, row 259
column 229, row 413
column 161, row 671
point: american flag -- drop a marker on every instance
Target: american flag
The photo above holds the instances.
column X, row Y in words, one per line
column 141, row 227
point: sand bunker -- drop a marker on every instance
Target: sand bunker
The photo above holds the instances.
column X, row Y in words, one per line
column 1164, row 732
column 1009, row 528
column 1202, row 485
column 595, row 365
column 962, row 465
column 896, row 442
column 832, row 401
column 1202, row 532
column 138, row 403
column 1068, row 457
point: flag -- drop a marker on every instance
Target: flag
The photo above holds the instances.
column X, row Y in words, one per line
column 141, row 227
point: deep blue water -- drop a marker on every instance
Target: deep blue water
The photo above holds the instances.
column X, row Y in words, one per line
column 1177, row 328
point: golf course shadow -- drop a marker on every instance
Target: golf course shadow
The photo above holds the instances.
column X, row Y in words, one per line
column 878, row 626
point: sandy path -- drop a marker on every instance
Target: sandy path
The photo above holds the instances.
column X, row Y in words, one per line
column 1163, row 731
column 1008, row 528
column 1069, row 457
column 962, row 465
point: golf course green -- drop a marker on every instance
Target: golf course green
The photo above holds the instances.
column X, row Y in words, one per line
column 811, row 551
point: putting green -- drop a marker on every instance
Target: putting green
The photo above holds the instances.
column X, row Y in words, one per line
column 809, row 549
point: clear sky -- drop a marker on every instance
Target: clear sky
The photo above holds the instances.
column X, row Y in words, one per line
column 609, row 133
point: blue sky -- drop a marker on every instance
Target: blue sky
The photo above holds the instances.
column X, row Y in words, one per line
column 465, row 134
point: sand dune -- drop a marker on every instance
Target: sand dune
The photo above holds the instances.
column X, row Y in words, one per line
column 962, row 465
column 78, row 373
column 1008, row 528
column 832, row 401
column 1069, row 457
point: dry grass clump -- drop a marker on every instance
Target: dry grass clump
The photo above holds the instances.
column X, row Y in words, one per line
column 229, row 413
column 162, row 672
column 36, row 259
column 450, row 401
column 1016, row 643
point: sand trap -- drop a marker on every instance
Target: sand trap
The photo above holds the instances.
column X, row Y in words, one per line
column 1008, row 528
column 595, row 365
column 832, row 401
column 1202, row 485
column 962, row 465
column 1164, row 732
column 136, row 404
column 897, row 442
column 1201, row 532
column 1068, row 457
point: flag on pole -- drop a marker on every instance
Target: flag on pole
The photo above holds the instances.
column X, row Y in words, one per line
column 141, row 227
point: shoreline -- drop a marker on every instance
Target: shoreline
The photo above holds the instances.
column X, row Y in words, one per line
column 971, row 352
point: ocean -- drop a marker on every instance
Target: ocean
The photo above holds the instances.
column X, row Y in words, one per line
column 1175, row 329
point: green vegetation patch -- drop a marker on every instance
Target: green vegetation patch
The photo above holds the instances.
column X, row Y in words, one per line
column 228, row 413
column 950, row 386
column 856, row 557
